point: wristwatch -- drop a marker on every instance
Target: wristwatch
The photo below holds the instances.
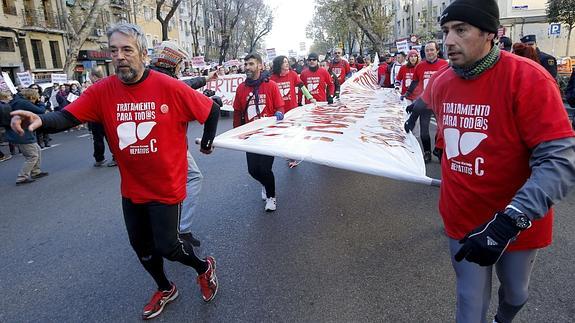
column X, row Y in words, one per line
column 521, row 221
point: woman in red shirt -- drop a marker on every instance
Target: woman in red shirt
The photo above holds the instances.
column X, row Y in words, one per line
column 287, row 80
column 405, row 74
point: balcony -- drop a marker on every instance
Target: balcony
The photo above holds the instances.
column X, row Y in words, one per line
column 119, row 4
column 38, row 18
column 9, row 9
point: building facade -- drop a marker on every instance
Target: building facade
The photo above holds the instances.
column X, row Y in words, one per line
column 417, row 22
column 31, row 37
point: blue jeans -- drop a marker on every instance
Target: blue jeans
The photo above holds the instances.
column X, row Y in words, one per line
column 193, row 188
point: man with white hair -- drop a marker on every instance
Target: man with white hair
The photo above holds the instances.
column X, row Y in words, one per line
column 145, row 115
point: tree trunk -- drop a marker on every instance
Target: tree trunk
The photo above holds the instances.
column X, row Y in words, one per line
column 568, row 40
column 165, row 26
column 224, row 48
column 77, row 36
column 165, row 22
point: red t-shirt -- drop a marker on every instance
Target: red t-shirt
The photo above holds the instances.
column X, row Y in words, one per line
column 146, row 126
column 405, row 75
column 270, row 101
column 287, row 84
column 490, row 125
column 340, row 69
column 316, row 83
column 381, row 72
column 355, row 67
column 423, row 72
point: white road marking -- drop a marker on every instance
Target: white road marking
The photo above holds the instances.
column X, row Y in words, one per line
column 51, row 146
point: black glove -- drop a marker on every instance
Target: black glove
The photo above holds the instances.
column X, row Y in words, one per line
column 330, row 99
column 218, row 100
column 409, row 108
column 209, row 93
column 486, row 244
column 410, row 123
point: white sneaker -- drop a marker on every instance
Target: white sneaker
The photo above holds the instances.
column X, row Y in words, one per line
column 270, row 204
column 264, row 195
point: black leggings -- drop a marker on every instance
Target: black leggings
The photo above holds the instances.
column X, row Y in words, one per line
column 153, row 233
column 260, row 168
column 98, row 136
column 424, row 120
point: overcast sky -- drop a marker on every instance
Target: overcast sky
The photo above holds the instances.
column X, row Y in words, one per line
column 290, row 20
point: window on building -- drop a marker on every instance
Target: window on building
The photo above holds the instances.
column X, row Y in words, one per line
column 55, row 51
column 7, row 44
column 147, row 14
column 38, row 53
column 9, row 7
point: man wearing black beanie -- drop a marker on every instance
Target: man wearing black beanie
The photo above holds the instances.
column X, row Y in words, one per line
column 509, row 156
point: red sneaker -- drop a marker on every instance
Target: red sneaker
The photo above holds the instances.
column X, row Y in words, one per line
column 158, row 301
column 208, row 281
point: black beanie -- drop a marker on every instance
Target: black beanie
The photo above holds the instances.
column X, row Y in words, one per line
column 483, row 14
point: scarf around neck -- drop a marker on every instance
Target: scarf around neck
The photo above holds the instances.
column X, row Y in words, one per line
column 255, row 85
column 476, row 69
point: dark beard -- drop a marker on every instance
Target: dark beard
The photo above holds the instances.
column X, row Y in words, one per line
column 127, row 77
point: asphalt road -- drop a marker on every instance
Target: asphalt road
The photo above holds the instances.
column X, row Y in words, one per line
column 342, row 247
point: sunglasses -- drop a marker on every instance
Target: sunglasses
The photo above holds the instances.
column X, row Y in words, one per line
column 312, row 59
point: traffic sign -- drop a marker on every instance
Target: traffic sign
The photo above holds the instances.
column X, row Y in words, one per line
column 554, row 29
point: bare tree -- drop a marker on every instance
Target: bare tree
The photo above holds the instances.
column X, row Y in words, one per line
column 195, row 26
column 259, row 25
column 336, row 22
column 228, row 15
column 372, row 19
column 562, row 11
column 79, row 25
column 165, row 21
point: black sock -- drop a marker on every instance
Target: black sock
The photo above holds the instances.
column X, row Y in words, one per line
column 154, row 265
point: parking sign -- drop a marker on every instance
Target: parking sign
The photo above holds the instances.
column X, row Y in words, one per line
column 554, row 29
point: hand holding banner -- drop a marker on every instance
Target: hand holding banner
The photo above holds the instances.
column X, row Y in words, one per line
column 362, row 132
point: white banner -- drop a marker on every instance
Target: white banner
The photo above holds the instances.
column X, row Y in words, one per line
column 198, row 62
column 271, row 53
column 26, row 79
column 232, row 62
column 59, row 78
column 72, row 97
column 225, row 87
column 402, row 46
column 6, row 83
column 363, row 132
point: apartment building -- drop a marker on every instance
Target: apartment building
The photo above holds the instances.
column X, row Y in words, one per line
column 417, row 21
column 31, row 37
column 34, row 37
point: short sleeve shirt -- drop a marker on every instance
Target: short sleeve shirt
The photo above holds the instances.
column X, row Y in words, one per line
column 146, row 126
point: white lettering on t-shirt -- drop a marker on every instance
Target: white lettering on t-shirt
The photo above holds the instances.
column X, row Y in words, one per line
column 136, row 121
column 313, row 84
column 252, row 112
column 464, row 127
column 285, row 90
